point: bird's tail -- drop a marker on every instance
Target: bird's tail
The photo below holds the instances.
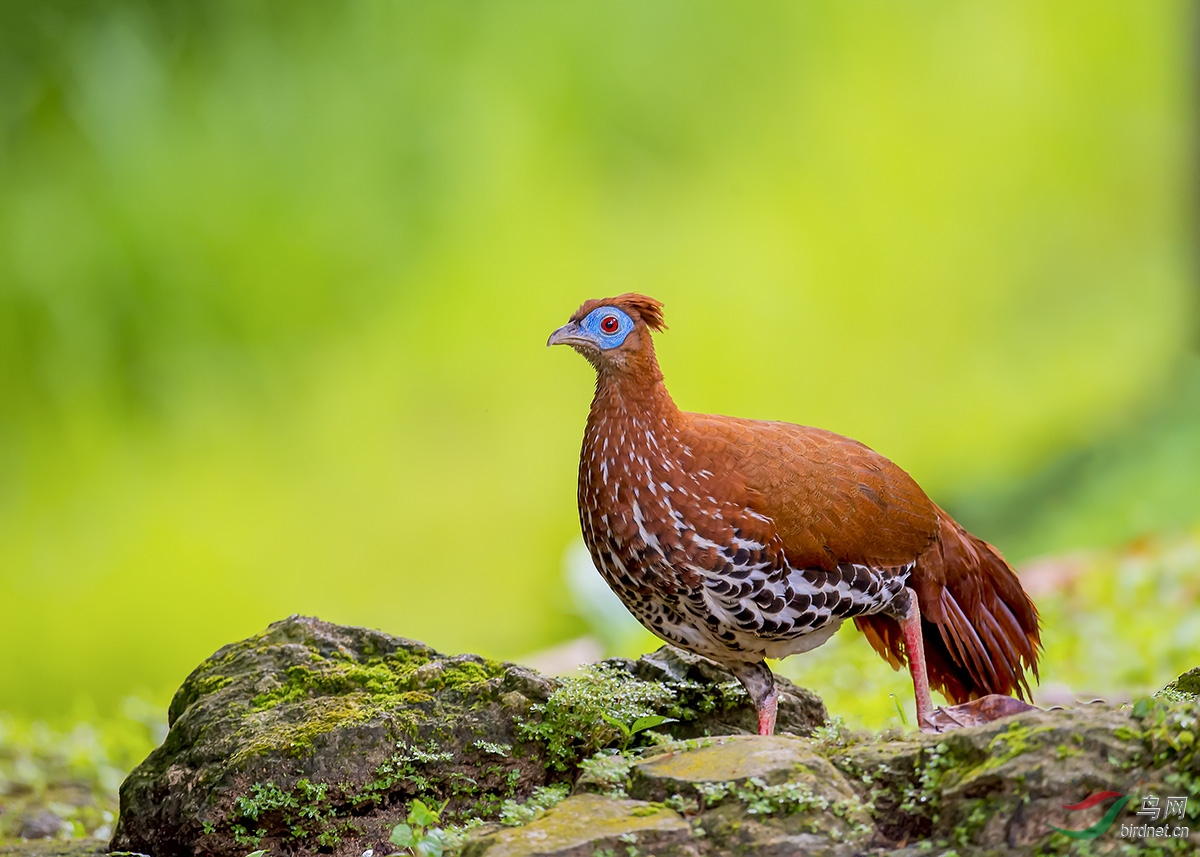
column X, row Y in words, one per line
column 980, row 628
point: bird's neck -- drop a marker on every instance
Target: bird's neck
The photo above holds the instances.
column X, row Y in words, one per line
column 639, row 397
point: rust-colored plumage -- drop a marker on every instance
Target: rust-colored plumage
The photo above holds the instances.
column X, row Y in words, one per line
column 742, row 539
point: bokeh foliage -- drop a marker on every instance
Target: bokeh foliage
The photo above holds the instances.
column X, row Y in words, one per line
column 275, row 280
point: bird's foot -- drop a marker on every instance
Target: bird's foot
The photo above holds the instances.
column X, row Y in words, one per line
column 974, row 713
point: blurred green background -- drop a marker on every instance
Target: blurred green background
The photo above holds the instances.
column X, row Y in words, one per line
column 276, row 280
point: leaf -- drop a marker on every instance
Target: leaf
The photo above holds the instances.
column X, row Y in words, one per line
column 617, row 723
column 403, row 836
column 1141, row 708
column 431, row 844
column 259, row 853
column 649, row 722
column 419, row 815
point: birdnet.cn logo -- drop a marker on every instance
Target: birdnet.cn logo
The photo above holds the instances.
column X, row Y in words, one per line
column 1152, row 809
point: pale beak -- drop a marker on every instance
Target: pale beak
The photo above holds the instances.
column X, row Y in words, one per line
column 568, row 334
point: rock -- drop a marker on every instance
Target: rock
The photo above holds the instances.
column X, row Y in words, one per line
column 774, row 760
column 55, row 848
column 1002, row 785
column 769, row 795
column 741, row 795
column 713, row 703
column 1187, row 685
column 582, row 825
column 312, row 737
column 989, row 790
column 42, row 825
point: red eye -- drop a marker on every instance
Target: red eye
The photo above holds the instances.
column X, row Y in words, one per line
column 609, row 324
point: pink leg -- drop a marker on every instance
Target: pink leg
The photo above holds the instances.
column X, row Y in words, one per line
column 973, row 713
column 766, row 714
column 914, row 648
column 760, row 684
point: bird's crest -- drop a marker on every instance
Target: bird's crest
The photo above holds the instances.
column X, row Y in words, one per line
column 648, row 309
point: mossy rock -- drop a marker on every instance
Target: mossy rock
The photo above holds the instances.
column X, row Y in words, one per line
column 773, row 760
column 980, row 792
column 316, row 736
column 312, row 736
column 709, row 700
column 1187, row 685
column 999, row 788
column 587, row 824
column 54, row 848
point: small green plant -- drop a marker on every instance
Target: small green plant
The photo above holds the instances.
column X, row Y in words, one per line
column 762, row 799
column 832, row 736
column 419, row 835
column 607, row 771
column 925, row 797
column 639, row 725
column 306, row 810
column 502, row 750
column 513, row 814
column 683, row 804
column 590, row 712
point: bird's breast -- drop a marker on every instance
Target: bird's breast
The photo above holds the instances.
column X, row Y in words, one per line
column 652, row 520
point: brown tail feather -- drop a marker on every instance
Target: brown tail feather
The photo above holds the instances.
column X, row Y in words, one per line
column 980, row 628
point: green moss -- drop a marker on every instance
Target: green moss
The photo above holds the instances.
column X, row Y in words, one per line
column 1065, row 751
column 1186, row 687
column 378, row 680
column 462, row 675
column 403, row 679
column 1169, row 732
column 1016, row 741
column 414, row 697
column 338, row 692
column 205, row 685
column 297, row 737
column 647, row 810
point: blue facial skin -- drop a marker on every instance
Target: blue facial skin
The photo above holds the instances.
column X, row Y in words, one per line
column 591, row 326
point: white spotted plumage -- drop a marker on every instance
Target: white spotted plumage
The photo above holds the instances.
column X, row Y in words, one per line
column 733, row 599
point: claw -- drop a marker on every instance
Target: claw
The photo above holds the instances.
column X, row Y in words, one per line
column 974, row 713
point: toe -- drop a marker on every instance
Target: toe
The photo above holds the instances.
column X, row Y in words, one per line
column 975, row 713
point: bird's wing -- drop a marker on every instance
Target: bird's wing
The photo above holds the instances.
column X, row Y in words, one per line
column 832, row 499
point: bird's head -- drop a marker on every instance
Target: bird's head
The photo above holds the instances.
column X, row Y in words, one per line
column 614, row 333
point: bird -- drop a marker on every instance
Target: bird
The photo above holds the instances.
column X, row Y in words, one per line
column 742, row 540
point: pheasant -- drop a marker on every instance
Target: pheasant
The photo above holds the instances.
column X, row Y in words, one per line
column 742, row 540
